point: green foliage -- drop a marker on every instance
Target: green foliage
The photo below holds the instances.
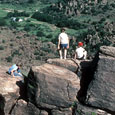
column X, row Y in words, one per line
column 1, row 47
column 30, row 1
column 9, row 59
column 38, row 58
column 40, row 33
column 18, row 37
column 93, row 113
column 14, row 24
column 3, row 41
column 49, row 36
column 36, row 53
column 17, row 14
column 27, row 27
column 2, row 22
column 16, row 52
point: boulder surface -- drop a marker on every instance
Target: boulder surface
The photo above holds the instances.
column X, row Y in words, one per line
column 24, row 108
column 9, row 90
column 101, row 91
column 68, row 63
column 51, row 86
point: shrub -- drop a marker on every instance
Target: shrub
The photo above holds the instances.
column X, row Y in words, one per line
column 2, row 22
column 9, row 59
column 18, row 37
column 16, row 14
column 27, row 27
column 3, row 41
column 36, row 53
column 38, row 58
column 40, row 33
column 49, row 36
column 16, row 52
column 1, row 48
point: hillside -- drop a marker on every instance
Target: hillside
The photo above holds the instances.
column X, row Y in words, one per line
column 34, row 39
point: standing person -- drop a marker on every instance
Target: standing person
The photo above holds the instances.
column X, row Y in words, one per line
column 80, row 52
column 63, row 43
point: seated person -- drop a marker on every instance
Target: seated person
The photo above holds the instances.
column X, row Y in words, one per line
column 80, row 52
column 14, row 70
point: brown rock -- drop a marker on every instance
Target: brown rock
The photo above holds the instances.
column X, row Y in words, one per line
column 22, row 108
column 68, row 63
column 62, row 112
column 107, row 50
column 43, row 112
column 9, row 90
column 51, row 86
column 85, row 110
column 101, row 92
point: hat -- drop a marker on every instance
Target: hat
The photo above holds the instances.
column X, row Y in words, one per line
column 80, row 44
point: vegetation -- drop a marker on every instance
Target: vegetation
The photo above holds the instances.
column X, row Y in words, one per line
column 45, row 20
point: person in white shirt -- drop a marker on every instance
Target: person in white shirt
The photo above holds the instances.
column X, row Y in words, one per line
column 63, row 43
column 80, row 53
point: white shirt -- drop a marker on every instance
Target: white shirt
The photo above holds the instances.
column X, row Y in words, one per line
column 80, row 52
column 63, row 38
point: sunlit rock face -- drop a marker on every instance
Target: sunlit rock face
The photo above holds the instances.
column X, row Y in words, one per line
column 51, row 86
column 9, row 90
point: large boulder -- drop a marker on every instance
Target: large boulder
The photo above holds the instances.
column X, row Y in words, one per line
column 24, row 108
column 51, row 86
column 9, row 90
column 101, row 91
column 80, row 109
column 109, row 51
column 68, row 63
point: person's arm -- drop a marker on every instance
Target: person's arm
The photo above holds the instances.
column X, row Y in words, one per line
column 68, row 43
column 58, row 43
column 12, row 73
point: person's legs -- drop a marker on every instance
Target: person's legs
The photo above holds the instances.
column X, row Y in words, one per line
column 16, row 74
column 60, row 53
column 65, row 53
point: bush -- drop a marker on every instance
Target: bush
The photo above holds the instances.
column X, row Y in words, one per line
column 1, row 48
column 27, row 27
column 3, row 41
column 40, row 33
column 16, row 14
column 16, row 52
column 9, row 59
column 2, row 22
column 36, row 53
column 49, row 36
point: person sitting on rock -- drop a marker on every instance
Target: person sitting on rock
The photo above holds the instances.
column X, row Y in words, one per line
column 63, row 43
column 14, row 70
column 80, row 52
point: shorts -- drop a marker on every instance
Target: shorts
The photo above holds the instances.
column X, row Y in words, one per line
column 63, row 46
column 81, row 58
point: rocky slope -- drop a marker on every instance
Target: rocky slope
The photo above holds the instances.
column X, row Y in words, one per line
column 18, row 46
column 52, row 90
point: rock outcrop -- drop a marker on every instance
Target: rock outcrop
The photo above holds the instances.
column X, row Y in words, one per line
column 85, row 110
column 55, row 90
column 24, row 108
column 52, row 87
column 9, row 91
column 68, row 64
column 101, row 91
